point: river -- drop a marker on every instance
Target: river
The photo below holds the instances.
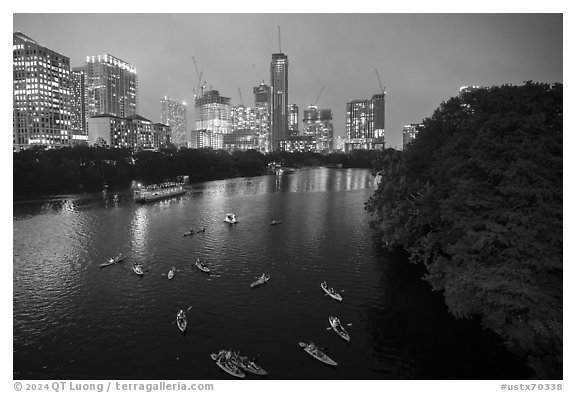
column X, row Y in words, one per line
column 73, row 320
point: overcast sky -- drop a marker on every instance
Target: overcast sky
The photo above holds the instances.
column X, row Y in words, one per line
column 422, row 59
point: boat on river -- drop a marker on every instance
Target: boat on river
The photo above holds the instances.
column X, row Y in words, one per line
column 137, row 268
column 223, row 360
column 202, row 266
column 331, row 292
column 338, row 328
column 155, row 192
column 114, row 260
column 181, row 321
column 263, row 279
column 231, row 218
column 316, row 353
column 171, row 273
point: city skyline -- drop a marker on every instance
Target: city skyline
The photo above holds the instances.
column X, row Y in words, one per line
column 422, row 60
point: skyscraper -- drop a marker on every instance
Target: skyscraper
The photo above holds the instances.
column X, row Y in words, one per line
column 173, row 114
column 111, row 86
column 365, row 123
column 279, row 99
column 262, row 96
column 41, row 100
column 379, row 115
column 78, row 102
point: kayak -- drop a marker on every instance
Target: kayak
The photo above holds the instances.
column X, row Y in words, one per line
column 181, row 321
column 331, row 292
column 227, row 365
column 171, row 273
column 262, row 280
column 338, row 328
column 114, row 260
column 202, row 267
column 275, row 222
column 137, row 269
column 249, row 366
column 191, row 232
column 316, row 353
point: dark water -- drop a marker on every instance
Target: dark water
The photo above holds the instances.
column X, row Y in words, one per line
column 73, row 320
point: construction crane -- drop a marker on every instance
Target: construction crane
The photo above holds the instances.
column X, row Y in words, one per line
column 197, row 92
column 318, row 98
column 240, row 94
column 382, row 89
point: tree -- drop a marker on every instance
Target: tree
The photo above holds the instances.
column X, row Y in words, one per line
column 477, row 199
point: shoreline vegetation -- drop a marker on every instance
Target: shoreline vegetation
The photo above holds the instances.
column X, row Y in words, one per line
column 476, row 199
column 40, row 172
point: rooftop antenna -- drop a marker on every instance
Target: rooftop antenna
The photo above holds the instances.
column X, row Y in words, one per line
column 279, row 41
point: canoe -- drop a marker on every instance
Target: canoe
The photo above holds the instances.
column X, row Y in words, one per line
column 202, row 267
column 316, row 353
column 338, row 328
column 262, row 280
column 227, row 366
column 249, row 366
column 137, row 268
column 171, row 273
column 181, row 321
column 114, row 260
column 331, row 292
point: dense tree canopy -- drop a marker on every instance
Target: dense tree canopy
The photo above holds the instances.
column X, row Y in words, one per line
column 477, row 198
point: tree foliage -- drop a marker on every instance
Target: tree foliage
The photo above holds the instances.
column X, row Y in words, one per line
column 477, row 199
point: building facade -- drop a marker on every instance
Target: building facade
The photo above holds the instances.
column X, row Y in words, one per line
column 318, row 125
column 111, row 86
column 206, row 139
column 213, row 113
column 79, row 126
column 409, row 132
column 293, row 120
column 279, row 100
column 173, row 113
column 133, row 132
column 42, row 111
column 365, row 123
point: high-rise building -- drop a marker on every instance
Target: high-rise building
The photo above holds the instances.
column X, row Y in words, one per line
column 134, row 132
column 262, row 96
column 379, row 115
column 173, row 114
column 279, row 99
column 293, row 122
column 255, row 120
column 365, row 123
column 318, row 125
column 213, row 113
column 111, row 86
column 79, row 125
column 41, row 100
column 409, row 133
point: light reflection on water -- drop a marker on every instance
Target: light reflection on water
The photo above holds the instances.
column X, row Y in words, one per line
column 69, row 315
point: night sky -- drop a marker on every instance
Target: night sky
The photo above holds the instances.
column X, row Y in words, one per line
column 422, row 59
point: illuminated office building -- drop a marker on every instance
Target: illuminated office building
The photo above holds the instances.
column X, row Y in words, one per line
column 133, row 132
column 41, row 95
column 365, row 123
column 111, row 86
column 279, row 100
column 255, row 121
column 173, row 114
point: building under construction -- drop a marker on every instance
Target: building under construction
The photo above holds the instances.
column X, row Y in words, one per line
column 213, row 112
